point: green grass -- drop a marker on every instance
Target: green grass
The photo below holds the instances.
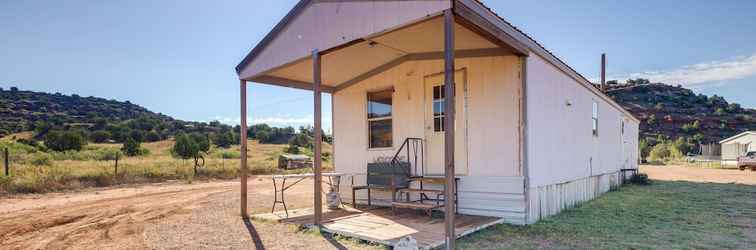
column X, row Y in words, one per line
column 664, row 215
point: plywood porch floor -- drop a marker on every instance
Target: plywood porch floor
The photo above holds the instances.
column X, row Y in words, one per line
column 380, row 225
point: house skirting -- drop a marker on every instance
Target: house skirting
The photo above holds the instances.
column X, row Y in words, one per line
column 549, row 200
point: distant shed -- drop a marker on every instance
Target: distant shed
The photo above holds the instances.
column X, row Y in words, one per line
column 292, row 161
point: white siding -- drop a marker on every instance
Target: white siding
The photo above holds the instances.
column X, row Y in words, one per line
column 324, row 25
column 561, row 146
column 494, row 183
column 551, row 199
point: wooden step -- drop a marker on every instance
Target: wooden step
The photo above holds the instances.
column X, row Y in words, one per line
column 434, row 180
column 415, row 190
column 415, row 205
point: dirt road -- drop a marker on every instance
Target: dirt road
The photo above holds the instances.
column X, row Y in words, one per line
column 680, row 173
column 158, row 216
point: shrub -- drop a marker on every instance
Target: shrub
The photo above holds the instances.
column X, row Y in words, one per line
column 228, row 154
column 651, row 120
column 640, row 179
column 152, row 136
column 184, row 147
column 291, row 149
column 100, row 136
column 203, row 143
column 41, row 159
column 224, row 139
column 64, row 140
column 659, row 152
column 132, row 148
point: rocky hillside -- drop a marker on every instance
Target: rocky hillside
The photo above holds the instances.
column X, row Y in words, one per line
column 674, row 111
column 20, row 110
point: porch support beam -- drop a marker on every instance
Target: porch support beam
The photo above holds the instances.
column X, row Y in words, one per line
column 469, row 53
column 449, row 128
column 285, row 82
column 317, row 140
column 243, row 147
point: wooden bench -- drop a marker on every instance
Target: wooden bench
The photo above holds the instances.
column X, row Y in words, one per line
column 385, row 177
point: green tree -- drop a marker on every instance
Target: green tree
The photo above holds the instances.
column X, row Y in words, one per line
column 184, row 147
column 651, row 120
column 224, row 139
column 131, row 147
column 64, row 140
column 659, row 152
column 191, row 146
column 100, row 136
column 644, row 148
column 203, row 143
column 152, row 136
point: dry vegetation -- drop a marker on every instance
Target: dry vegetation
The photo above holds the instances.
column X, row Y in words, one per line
column 35, row 172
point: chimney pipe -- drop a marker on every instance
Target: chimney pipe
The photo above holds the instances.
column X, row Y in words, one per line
column 603, row 72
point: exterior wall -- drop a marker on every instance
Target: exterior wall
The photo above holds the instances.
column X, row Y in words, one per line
column 494, row 182
column 567, row 164
column 547, row 200
column 736, row 147
column 326, row 24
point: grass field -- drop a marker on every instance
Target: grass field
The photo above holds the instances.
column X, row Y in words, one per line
column 36, row 172
column 664, row 215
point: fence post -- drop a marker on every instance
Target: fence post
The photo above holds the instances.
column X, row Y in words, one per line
column 116, row 164
column 7, row 162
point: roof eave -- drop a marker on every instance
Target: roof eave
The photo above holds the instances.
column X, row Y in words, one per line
column 294, row 12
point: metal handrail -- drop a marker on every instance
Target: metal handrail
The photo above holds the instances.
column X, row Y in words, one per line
column 412, row 146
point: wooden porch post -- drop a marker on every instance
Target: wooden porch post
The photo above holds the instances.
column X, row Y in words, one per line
column 449, row 128
column 243, row 147
column 317, row 140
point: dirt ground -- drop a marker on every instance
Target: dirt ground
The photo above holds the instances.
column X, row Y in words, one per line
column 158, row 216
column 682, row 173
column 204, row 215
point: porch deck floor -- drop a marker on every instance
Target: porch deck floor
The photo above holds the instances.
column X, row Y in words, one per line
column 380, row 225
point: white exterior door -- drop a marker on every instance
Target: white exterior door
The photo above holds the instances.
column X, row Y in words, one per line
column 435, row 101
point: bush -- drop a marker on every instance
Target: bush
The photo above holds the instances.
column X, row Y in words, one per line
column 291, row 149
column 224, row 139
column 640, row 179
column 64, row 140
column 659, row 152
column 152, row 136
column 100, row 136
column 41, row 159
column 184, row 147
column 229, row 155
column 132, row 148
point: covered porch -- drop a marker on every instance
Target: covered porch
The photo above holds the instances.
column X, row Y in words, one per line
column 380, row 225
column 426, row 56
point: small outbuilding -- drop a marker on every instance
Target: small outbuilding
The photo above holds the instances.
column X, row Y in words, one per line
column 736, row 146
column 293, row 161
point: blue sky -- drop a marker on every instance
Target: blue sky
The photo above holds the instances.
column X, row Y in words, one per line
column 177, row 57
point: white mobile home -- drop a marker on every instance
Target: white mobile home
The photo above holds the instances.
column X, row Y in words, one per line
column 736, row 146
column 526, row 136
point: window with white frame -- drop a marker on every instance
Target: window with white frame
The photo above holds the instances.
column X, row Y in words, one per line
column 379, row 116
column 594, row 118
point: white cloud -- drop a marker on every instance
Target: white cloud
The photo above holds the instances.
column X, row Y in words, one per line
column 701, row 75
column 278, row 120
